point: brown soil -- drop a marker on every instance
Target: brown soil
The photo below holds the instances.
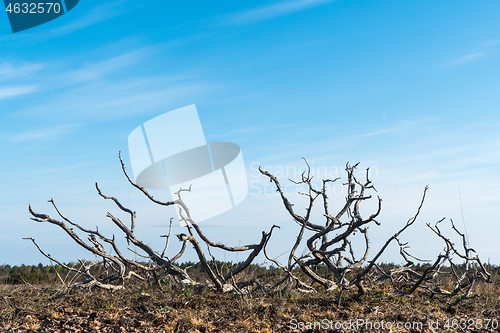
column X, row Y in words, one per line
column 27, row 308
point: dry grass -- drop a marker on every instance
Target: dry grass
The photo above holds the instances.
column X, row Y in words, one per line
column 26, row 308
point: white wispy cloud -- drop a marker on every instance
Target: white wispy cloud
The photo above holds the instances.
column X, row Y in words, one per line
column 104, row 100
column 252, row 130
column 62, row 169
column 467, row 58
column 12, row 71
column 98, row 14
column 40, row 134
column 273, row 10
column 98, row 69
column 6, row 92
column 109, row 87
column 491, row 42
column 400, row 127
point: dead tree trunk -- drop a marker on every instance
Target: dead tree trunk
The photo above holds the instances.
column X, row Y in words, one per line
column 161, row 265
column 330, row 244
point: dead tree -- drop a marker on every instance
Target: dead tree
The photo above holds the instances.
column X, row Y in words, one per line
column 330, row 245
column 335, row 252
column 443, row 272
column 122, row 268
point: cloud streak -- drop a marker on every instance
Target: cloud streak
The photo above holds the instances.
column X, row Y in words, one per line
column 467, row 58
column 273, row 11
column 62, row 169
column 110, row 87
column 96, row 15
column 41, row 134
column 101, row 101
column 7, row 92
column 99, row 69
column 9, row 71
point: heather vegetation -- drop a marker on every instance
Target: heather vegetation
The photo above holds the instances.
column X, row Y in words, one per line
column 34, row 299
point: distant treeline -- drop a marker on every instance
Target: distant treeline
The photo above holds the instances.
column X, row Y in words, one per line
column 46, row 274
column 43, row 274
column 29, row 274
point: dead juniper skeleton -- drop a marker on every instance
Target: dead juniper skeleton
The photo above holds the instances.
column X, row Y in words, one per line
column 329, row 245
column 337, row 254
column 123, row 268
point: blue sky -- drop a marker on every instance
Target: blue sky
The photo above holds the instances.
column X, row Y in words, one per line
column 410, row 89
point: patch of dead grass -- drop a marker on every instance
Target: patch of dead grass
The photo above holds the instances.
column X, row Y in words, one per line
column 45, row 309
